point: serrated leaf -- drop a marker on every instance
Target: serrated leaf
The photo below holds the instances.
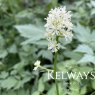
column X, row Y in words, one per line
column 82, row 33
column 84, row 49
column 8, row 83
column 67, row 65
column 3, row 75
column 72, row 54
column 30, row 31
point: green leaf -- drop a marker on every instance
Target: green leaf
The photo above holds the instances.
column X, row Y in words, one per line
column 24, row 14
column 46, row 54
column 93, row 11
column 8, row 83
column 24, row 80
column 74, row 87
column 4, row 75
column 72, row 54
column 93, row 84
column 83, row 90
column 83, row 68
column 2, row 42
column 3, row 53
column 12, row 49
column 40, row 42
column 18, row 85
column 84, row 49
column 52, row 90
column 87, row 58
column 67, row 65
column 35, row 33
column 41, row 85
column 82, row 33
column 19, row 66
column 36, row 93
column 93, row 3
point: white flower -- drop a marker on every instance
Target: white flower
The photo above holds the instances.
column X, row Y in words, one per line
column 49, row 36
column 54, row 46
column 58, row 24
column 68, row 35
column 58, row 19
column 37, row 65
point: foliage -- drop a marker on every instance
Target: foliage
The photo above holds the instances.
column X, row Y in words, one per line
column 22, row 42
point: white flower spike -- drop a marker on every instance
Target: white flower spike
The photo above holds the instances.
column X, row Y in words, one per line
column 37, row 65
column 58, row 24
column 53, row 46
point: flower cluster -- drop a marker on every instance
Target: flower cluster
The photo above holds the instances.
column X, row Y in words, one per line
column 58, row 24
column 37, row 65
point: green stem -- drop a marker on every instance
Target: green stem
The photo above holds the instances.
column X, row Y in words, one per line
column 45, row 68
column 55, row 69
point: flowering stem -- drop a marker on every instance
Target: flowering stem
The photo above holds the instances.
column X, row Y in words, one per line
column 45, row 68
column 55, row 62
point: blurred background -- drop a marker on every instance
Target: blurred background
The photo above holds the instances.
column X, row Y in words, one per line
column 22, row 43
